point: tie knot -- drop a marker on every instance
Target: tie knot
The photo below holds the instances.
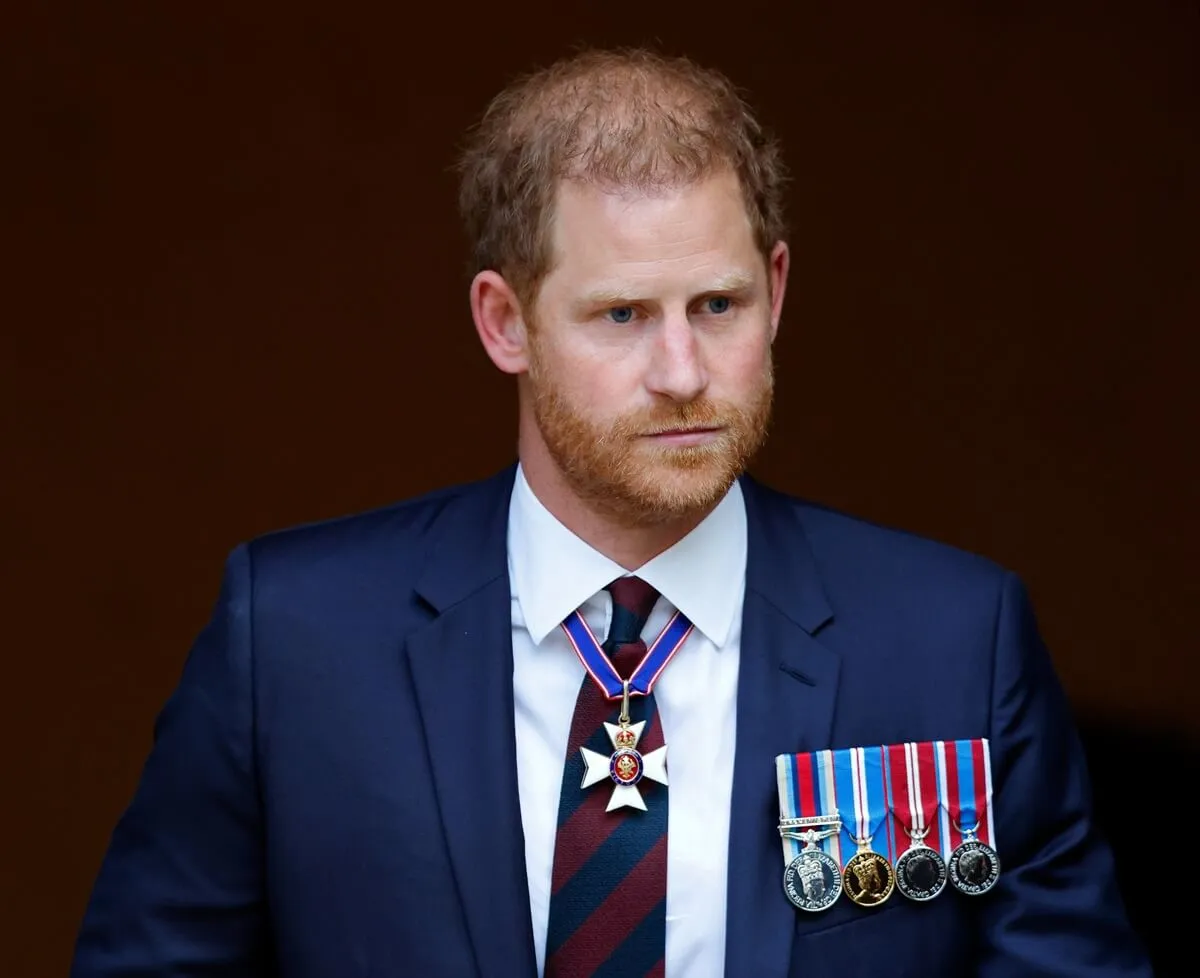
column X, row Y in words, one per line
column 633, row 600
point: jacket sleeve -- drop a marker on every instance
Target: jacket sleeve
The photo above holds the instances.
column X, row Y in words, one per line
column 180, row 891
column 1055, row 910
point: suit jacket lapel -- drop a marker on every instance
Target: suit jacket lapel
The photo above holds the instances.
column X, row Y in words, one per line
column 462, row 668
column 787, row 687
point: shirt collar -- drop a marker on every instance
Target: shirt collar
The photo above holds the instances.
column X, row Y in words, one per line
column 553, row 572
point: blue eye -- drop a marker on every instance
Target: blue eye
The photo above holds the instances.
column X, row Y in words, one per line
column 719, row 304
column 621, row 315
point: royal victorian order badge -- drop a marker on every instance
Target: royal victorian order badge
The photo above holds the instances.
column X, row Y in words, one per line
column 625, row 766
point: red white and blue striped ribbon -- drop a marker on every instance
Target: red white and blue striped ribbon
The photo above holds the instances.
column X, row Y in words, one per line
column 807, row 789
column 964, row 771
column 642, row 681
column 913, row 783
column 862, row 791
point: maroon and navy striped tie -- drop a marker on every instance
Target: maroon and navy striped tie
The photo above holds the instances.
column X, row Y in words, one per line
column 608, row 899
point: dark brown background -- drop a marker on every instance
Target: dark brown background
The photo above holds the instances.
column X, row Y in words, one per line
column 235, row 301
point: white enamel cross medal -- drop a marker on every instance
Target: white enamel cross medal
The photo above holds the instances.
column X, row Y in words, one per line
column 625, row 766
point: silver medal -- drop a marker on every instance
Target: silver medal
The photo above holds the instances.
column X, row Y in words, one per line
column 920, row 872
column 974, row 867
column 813, row 880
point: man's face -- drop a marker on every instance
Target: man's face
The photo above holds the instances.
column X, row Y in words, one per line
column 650, row 340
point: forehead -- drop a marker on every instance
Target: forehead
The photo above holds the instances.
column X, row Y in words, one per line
column 694, row 228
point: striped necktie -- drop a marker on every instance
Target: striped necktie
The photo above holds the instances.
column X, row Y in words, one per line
column 609, row 887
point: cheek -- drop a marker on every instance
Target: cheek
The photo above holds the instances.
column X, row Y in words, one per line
column 564, row 363
column 599, row 385
column 738, row 365
column 607, row 392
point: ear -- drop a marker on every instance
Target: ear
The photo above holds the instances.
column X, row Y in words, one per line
column 499, row 322
column 777, row 272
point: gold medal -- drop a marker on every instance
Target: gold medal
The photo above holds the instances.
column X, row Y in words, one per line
column 868, row 878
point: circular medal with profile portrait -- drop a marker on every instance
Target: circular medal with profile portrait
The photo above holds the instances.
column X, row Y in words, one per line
column 974, row 867
column 869, row 878
column 921, row 873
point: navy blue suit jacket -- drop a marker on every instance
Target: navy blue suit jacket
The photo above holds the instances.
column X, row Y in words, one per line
column 332, row 791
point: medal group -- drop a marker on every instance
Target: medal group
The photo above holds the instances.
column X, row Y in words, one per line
column 867, row 821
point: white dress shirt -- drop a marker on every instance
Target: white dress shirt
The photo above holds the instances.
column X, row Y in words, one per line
column 553, row 573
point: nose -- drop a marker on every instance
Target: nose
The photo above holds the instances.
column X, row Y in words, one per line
column 677, row 367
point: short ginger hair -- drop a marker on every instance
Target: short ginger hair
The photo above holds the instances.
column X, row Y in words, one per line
column 628, row 119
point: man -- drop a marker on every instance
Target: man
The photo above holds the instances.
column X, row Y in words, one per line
column 433, row 740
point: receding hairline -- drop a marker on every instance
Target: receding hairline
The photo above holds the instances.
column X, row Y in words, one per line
column 601, row 85
column 735, row 279
column 625, row 120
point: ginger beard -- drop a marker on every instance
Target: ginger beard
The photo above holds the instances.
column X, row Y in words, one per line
column 614, row 467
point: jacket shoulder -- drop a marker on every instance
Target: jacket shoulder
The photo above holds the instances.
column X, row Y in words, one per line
column 389, row 540
column 853, row 553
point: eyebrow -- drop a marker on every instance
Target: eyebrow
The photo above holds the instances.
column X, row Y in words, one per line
column 615, row 295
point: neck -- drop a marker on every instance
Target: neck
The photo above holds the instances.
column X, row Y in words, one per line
column 629, row 544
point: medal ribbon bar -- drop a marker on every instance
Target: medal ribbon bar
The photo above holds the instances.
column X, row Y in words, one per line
column 862, row 794
column 829, row 800
column 913, row 783
column 669, row 641
column 802, row 802
column 965, row 786
column 966, row 782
